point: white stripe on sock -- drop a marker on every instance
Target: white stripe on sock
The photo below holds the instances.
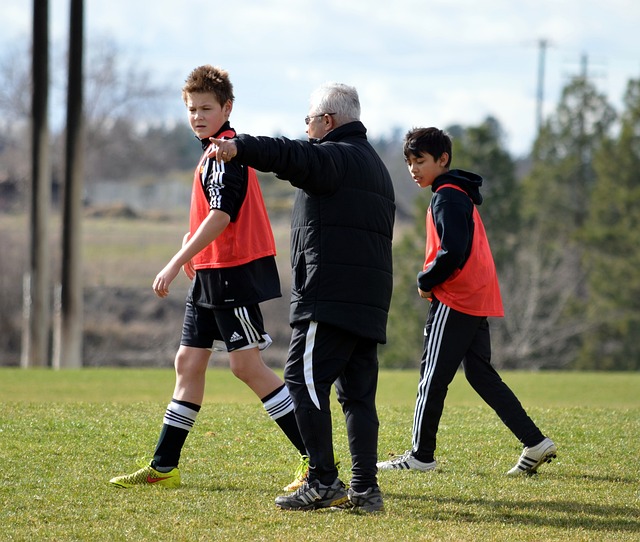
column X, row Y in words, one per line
column 181, row 416
column 279, row 405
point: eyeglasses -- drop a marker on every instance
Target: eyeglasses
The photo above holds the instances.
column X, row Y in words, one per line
column 307, row 120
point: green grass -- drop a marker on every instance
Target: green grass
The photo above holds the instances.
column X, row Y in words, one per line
column 64, row 434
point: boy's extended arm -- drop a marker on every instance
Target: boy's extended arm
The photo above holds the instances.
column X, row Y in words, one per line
column 211, row 227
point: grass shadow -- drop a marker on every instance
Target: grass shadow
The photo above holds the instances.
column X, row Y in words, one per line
column 560, row 514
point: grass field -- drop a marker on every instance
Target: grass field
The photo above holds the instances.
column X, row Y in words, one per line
column 64, row 434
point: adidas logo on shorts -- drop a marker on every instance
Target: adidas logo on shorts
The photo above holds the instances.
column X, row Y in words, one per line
column 235, row 337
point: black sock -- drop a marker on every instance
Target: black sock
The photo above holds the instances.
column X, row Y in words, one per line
column 279, row 406
column 178, row 421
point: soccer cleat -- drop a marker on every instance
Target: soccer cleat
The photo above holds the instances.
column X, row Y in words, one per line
column 406, row 461
column 367, row 501
column 314, row 495
column 148, row 476
column 532, row 458
column 301, row 474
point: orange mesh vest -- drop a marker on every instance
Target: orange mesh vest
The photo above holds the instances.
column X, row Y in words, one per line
column 474, row 289
column 246, row 239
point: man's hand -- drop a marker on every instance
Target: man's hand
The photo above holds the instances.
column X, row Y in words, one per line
column 225, row 149
column 424, row 295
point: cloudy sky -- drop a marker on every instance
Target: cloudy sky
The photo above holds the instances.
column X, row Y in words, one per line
column 414, row 62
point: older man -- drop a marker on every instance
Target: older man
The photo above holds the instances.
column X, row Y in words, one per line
column 341, row 234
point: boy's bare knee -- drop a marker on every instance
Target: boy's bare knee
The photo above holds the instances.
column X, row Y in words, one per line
column 187, row 364
column 241, row 371
column 245, row 364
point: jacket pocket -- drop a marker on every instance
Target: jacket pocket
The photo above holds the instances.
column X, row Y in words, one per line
column 299, row 273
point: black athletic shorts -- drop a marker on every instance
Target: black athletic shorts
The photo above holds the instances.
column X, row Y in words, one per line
column 235, row 328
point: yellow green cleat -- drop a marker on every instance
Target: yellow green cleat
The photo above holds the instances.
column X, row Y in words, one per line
column 301, row 474
column 148, row 476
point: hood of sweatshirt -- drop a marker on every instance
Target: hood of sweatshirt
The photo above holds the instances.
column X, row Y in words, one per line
column 468, row 181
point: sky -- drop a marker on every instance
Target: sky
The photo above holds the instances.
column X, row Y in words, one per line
column 414, row 62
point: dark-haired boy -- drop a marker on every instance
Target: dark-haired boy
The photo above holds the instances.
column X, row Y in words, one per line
column 460, row 280
column 229, row 254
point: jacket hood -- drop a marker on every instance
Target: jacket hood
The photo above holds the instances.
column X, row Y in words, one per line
column 468, row 181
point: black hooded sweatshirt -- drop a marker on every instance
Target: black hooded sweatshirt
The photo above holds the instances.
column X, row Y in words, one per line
column 452, row 212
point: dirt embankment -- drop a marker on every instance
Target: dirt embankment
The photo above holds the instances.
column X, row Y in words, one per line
column 131, row 326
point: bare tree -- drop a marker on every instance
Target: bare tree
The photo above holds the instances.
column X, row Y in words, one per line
column 15, row 90
column 118, row 95
column 15, row 111
column 541, row 327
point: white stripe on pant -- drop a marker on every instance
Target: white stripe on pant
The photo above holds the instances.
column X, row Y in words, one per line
column 435, row 343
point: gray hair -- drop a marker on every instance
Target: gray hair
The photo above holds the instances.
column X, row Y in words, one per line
column 337, row 98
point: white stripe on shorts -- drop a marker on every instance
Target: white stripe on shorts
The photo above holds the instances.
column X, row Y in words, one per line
column 250, row 332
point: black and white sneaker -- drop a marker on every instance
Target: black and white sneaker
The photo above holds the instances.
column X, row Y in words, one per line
column 532, row 458
column 367, row 501
column 406, row 461
column 314, row 495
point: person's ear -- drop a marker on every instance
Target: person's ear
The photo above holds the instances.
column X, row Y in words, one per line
column 227, row 108
column 328, row 122
column 444, row 158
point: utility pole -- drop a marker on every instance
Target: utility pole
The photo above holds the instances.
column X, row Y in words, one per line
column 68, row 351
column 36, row 286
column 542, row 44
column 584, row 62
column 581, row 181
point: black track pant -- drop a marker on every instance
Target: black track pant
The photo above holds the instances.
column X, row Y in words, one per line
column 319, row 356
column 451, row 337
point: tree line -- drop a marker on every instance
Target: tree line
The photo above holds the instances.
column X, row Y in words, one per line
column 565, row 235
column 563, row 223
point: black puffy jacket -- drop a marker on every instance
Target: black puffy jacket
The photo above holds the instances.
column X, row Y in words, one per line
column 341, row 226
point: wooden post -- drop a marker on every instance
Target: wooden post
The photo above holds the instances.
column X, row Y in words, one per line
column 71, row 303
column 37, row 296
